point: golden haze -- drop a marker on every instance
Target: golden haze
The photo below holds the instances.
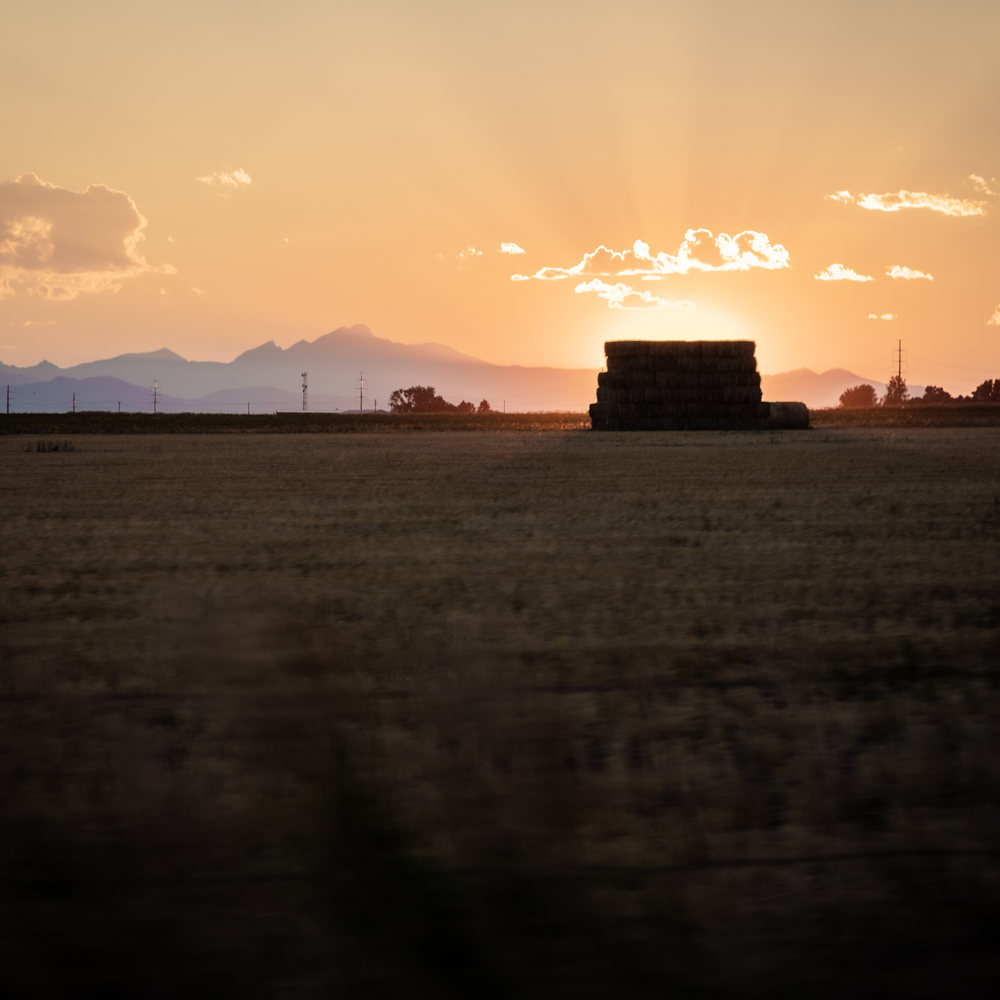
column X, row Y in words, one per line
column 379, row 142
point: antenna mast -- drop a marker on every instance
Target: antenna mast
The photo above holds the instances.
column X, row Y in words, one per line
column 361, row 393
column 305, row 391
column 156, row 389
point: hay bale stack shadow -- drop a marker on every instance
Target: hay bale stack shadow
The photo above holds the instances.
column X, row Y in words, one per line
column 686, row 385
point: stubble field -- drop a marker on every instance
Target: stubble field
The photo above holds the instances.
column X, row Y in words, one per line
column 512, row 714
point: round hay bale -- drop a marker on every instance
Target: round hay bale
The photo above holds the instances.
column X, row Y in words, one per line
column 788, row 416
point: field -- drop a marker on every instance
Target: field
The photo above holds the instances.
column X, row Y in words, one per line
column 516, row 714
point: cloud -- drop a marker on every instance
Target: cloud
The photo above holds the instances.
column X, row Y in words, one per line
column 197, row 291
column 235, row 179
column 618, row 293
column 39, row 322
column 979, row 183
column 994, row 320
column 898, row 271
column 520, row 277
column 741, row 252
column 837, row 272
column 59, row 244
column 893, row 202
column 470, row 252
column 883, row 316
column 510, row 248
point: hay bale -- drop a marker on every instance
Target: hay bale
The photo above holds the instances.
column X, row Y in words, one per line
column 686, row 385
column 788, row 416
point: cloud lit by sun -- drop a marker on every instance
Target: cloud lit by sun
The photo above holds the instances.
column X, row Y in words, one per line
column 837, row 272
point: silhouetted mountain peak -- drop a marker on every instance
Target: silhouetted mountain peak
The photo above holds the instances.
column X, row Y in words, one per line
column 270, row 349
column 163, row 354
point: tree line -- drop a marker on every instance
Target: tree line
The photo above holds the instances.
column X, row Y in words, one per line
column 424, row 399
column 860, row 397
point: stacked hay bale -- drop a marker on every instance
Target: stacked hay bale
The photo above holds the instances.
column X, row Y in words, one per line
column 685, row 385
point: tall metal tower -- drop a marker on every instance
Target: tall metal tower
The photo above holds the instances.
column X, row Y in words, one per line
column 305, row 391
column 361, row 393
column 156, row 392
column 899, row 359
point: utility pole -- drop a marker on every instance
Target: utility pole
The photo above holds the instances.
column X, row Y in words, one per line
column 248, row 409
column 156, row 389
column 119, row 406
column 899, row 360
column 8, row 399
column 74, row 402
column 305, row 391
column 361, row 393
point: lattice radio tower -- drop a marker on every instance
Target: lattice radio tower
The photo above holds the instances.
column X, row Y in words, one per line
column 899, row 359
column 361, row 393
column 305, row 391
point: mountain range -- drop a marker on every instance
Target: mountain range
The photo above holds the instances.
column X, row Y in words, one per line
column 270, row 378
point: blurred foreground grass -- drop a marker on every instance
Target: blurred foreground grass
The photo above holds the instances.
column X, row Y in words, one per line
column 501, row 715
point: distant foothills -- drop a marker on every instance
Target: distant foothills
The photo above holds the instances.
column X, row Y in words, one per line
column 269, row 378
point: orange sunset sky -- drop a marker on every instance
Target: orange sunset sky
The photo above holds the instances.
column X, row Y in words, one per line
column 209, row 176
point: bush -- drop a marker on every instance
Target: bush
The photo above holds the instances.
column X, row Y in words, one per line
column 858, row 397
column 987, row 392
column 896, row 393
column 934, row 394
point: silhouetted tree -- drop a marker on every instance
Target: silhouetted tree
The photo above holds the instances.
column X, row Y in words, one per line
column 934, row 394
column 484, row 406
column 423, row 399
column 858, row 397
column 988, row 392
column 896, row 393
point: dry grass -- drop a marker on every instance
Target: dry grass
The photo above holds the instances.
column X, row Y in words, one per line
column 912, row 415
column 525, row 714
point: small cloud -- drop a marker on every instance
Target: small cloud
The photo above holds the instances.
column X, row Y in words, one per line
column 287, row 240
column 234, row 179
column 898, row 271
column 994, row 320
column 883, row 316
column 510, row 248
column 197, row 291
column 979, row 183
column 520, row 277
column 894, row 201
column 170, row 239
column 469, row 253
column 9, row 347
column 837, row 272
column 620, row 293
column 39, row 322
column 163, row 291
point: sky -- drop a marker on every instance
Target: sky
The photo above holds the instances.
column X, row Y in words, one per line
column 520, row 181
